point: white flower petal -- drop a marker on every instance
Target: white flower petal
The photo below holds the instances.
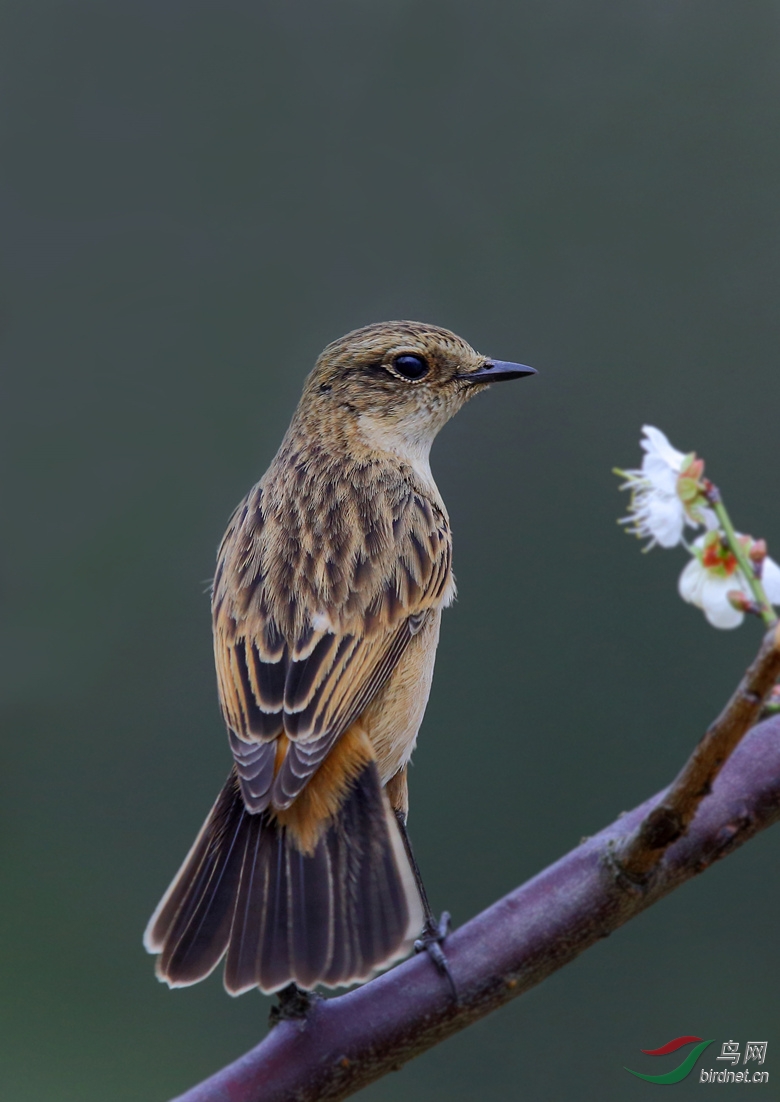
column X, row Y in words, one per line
column 690, row 583
column 711, row 522
column 717, row 607
column 770, row 576
column 668, row 520
column 662, row 476
column 656, row 443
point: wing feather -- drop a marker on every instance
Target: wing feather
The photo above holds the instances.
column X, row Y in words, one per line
column 311, row 620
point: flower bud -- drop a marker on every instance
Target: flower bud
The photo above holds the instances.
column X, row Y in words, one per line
column 739, row 600
column 757, row 552
column 692, row 467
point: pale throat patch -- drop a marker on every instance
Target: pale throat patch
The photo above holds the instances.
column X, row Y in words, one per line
column 410, row 442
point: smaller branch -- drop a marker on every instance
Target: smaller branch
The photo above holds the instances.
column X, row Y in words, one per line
column 669, row 820
column 765, row 609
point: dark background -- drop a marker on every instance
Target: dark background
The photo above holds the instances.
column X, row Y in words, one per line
column 196, row 197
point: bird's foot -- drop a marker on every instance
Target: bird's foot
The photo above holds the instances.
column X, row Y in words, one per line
column 430, row 942
column 294, row 1002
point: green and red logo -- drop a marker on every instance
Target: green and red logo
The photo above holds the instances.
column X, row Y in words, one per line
column 683, row 1069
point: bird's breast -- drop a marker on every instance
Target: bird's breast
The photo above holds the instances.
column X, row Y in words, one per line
column 392, row 719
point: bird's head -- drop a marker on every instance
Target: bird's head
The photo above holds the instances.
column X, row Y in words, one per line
column 395, row 384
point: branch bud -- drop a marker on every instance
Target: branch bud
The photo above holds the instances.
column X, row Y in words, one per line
column 741, row 602
column 757, row 552
column 773, row 702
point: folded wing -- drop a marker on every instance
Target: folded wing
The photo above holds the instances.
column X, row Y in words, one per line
column 310, row 624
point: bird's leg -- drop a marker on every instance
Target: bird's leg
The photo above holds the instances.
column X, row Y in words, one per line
column 294, row 1002
column 435, row 930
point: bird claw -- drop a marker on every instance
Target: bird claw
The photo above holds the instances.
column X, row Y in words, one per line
column 294, row 1003
column 430, row 942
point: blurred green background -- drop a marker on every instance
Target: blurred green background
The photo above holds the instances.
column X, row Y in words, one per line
column 196, row 197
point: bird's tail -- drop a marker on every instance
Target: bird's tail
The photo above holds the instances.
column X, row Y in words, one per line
column 333, row 916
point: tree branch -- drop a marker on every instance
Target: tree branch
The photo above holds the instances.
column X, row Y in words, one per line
column 669, row 820
column 347, row 1042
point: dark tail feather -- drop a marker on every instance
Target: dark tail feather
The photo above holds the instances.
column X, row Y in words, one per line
column 191, row 926
column 334, row 917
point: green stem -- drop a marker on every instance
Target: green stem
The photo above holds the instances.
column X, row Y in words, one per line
column 745, row 565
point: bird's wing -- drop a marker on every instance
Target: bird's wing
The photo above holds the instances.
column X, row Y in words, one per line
column 302, row 659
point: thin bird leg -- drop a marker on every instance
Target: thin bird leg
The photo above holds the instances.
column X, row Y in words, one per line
column 435, row 930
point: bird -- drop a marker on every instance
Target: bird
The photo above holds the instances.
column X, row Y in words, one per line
column 326, row 605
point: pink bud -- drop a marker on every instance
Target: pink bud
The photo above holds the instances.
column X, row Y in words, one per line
column 757, row 552
column 694, row 470
column 739, row 600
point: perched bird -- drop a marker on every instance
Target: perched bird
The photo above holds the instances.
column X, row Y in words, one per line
column 327, row 598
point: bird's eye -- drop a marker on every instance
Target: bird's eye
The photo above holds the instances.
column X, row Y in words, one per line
column 410, row 367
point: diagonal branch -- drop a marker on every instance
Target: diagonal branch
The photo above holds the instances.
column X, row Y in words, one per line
column 346, row 1043
column 638, row 856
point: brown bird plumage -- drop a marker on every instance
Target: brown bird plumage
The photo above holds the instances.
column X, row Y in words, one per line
column 327, row 598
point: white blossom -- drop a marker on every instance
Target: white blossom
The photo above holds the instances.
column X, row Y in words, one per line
column 713, row 572
column 657, row 512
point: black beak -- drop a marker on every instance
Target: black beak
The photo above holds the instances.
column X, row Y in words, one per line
column 497, row 371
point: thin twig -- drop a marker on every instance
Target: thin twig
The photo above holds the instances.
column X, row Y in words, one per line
column 747, row 568
column 670, row 819
column 346, row 1043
